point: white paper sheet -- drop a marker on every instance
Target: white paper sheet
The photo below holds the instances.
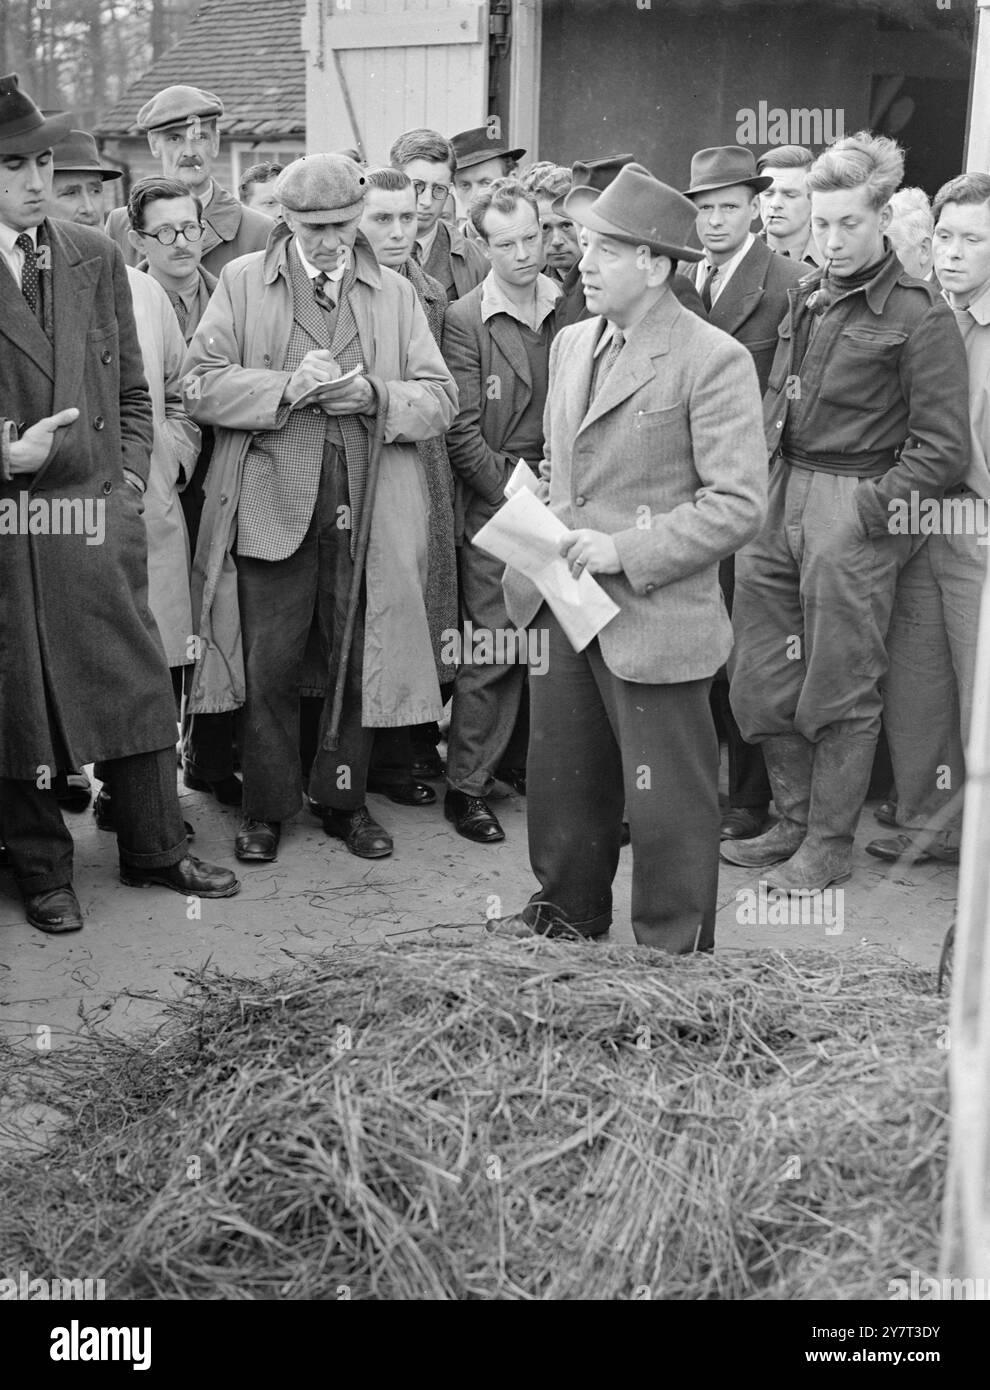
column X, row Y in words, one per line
column 526, row 535
column 522, row 477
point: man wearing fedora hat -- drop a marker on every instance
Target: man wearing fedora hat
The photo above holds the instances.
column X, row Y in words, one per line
column 744, row 288
column 482, row 155
column 77, row 185
column 77, row 441
column 285, row 498
column 657, row 467
column 183, row 128
column 599, row 173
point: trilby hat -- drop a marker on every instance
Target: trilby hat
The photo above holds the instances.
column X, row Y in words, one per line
column 638, row 208
column 475, row 146
column 77, row 154
column 23, row 128
column 723, row 166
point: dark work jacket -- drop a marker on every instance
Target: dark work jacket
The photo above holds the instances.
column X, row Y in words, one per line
column 886, row 363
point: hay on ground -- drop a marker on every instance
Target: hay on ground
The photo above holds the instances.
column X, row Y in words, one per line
column 466, row 1119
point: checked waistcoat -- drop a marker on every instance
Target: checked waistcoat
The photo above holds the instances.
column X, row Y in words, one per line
column 282, row 467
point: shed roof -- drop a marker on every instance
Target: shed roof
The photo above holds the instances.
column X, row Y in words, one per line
column 248, row 52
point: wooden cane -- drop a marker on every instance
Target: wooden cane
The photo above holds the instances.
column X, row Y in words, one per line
column 332, row 740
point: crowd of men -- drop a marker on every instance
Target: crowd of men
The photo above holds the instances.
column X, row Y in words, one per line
column 297, row 409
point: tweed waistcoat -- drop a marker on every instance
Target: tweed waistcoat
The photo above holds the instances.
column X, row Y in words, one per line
column 282, row 466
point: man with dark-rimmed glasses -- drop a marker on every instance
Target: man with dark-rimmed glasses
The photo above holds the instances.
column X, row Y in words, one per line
column 428, row 160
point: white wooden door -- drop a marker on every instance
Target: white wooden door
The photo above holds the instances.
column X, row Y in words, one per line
column 375, row 68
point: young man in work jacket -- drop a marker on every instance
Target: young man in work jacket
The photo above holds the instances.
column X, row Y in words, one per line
column 868, row 357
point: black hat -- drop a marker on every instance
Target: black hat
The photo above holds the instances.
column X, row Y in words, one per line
column 23, row 129
column 475, row 146
column 78, row 155
column 593, row 173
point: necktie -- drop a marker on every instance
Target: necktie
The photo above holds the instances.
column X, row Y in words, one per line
column 706, row 289
column 321, row 290
column 608, row 361
column 417, row 253
column 29, row 272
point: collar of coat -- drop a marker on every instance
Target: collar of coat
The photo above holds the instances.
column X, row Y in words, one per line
column 366, row 267
column 208, row 281
column 978, row 308
column 880, row 288
column 223, row 213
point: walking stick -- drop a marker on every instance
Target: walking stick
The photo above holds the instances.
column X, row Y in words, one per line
column 332, row 740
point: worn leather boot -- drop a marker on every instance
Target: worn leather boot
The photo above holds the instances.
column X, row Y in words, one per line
column 840, row 777
column 789, row 759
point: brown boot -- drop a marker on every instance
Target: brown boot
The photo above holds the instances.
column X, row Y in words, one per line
column 788, row 758
column 840, row 777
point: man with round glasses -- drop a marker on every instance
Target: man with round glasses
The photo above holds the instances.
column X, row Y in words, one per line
column 166, row 232
column 428, row 161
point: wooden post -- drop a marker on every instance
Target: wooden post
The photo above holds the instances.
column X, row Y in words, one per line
column 966, row 1217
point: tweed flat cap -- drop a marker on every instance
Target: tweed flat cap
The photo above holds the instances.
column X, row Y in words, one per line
column 321, row 188
column 177, row 106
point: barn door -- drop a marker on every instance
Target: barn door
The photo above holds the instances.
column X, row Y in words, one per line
column 375, row 68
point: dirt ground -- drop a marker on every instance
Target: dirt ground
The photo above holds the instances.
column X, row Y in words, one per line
column 139, row 945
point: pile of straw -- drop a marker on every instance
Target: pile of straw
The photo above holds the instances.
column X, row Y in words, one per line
column 504, row 1120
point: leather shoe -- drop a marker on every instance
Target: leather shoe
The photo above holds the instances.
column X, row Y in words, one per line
column 514, row 777
column 742, row 823
column 903, row 849
column 54, row 912
column 257, row 839
column 886, row 813
column 190, row 876
column 105, row 820
column 362, row 835
column 72, row 790
column 228, row 791
column 472, row 817
column 409, row 793
column 426, row 768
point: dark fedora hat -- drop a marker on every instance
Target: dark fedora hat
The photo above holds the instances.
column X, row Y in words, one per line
column 23, row 129
column 639, row 209
column 77, row 154
column 593, row 173
column 723, row 166
column 475, row 146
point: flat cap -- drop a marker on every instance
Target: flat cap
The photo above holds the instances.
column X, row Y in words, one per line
column 321, row 188
column 177, row 105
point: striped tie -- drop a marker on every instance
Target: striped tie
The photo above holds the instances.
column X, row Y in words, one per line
column 608, row 361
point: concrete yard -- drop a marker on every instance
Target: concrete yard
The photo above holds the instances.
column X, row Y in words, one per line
column 139, row 945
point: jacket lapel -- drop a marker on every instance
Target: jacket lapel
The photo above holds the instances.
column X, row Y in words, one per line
column 21, row 327
column 634, row 365
column 74, row 281
column 506, row 335
column 743, row 293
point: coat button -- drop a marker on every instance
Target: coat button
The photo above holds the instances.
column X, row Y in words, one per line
column 108, row 487
column 223, row 501
column 106, row 357
column 579, row 501
column 650, row 588
column 98, row 422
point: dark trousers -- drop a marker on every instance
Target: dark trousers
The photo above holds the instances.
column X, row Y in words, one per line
column 749, row 785
column 209, row 742
column 150, row 834
column 279, row 600
column 597, row 743
column 485, row 733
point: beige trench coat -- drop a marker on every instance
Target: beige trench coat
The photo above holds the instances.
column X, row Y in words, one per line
column 234, row 382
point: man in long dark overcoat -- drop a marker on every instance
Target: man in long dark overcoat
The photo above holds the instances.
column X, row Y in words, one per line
column 83, row 674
